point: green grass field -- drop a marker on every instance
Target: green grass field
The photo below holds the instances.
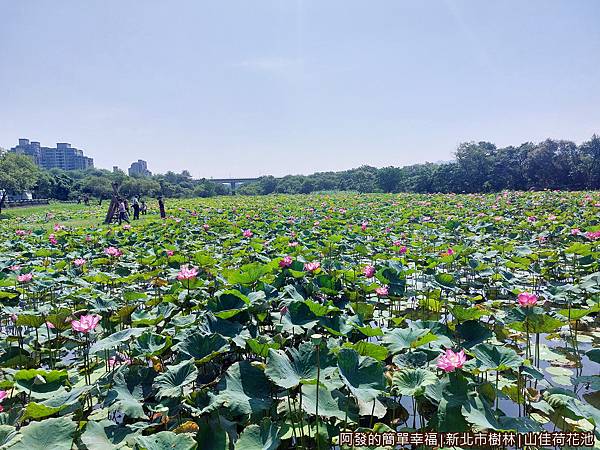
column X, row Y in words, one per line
column 69, row 214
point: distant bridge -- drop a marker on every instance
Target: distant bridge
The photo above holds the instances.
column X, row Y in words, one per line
column 232, row 182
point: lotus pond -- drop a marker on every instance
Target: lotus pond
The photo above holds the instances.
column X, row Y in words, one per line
column 281, row 321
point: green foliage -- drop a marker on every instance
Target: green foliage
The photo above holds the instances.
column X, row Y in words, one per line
column 257, row 352
column 18, row 173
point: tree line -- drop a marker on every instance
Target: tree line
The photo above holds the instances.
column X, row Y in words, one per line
column 478, row 167
column 19, row 174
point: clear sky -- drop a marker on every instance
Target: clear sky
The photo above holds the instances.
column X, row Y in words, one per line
column 252, row 87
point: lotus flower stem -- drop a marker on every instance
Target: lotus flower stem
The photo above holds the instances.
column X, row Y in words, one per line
column 291, row 416
column 346, row 413
column 372, row 413
column 519, row 391
column 301, row 419
column 527, row 349
column 497, row 396
column 316, row 339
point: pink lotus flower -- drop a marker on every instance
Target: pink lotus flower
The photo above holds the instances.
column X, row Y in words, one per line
column 15, row 268
column 187, row 273
column 58, row 227
column 527, row 300
column 13, row 317
column 592, row 235
column 86, row 323
column 363, row 226
column 312, row 266
column 50, row 325
column 113, row 252
column 20, row 232
column 402, row 250
column 3, row 395
column 118, row 360
column 206, row 227
column 285, row 262
column 247, row 233
column 52, row 239
column 25, row 278
column 79, row 262
column 382, row 291
column 88, row 238
column 316, row 223
column 448, row 252
column 169, row 253
column 450, row 361
column 126, row 226
column 575, row 231
column 293, row 244
column 531, row 219
column 397, row 244
column 369, row 271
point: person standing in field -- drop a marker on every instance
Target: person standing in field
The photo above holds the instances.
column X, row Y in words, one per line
column 161, row 207
column 143, row 207
column 122, row 212
column 136, row 208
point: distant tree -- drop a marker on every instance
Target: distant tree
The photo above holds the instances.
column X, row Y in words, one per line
column 290, row 184
column 326, row 181
column 140, row 187
column 508, row 172
column 268, row 184
column 443, row 178
column 307, row 186
column 204, row 189
column 97, row 186
column 389, row 178
column 361, row 179
column 476, row 160
column 570, row 171
column 18, row 174
column 250, row 189
column 540, row 165
column 590, row 160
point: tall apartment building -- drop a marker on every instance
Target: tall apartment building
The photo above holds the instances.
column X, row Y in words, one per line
column 63, row 156
column 139, row 167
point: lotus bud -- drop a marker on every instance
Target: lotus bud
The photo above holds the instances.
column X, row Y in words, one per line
column 316, row 339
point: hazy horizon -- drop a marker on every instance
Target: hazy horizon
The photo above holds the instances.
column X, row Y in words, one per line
column 243, row 89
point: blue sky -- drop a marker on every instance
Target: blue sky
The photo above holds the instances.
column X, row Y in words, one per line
column 245, row 88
